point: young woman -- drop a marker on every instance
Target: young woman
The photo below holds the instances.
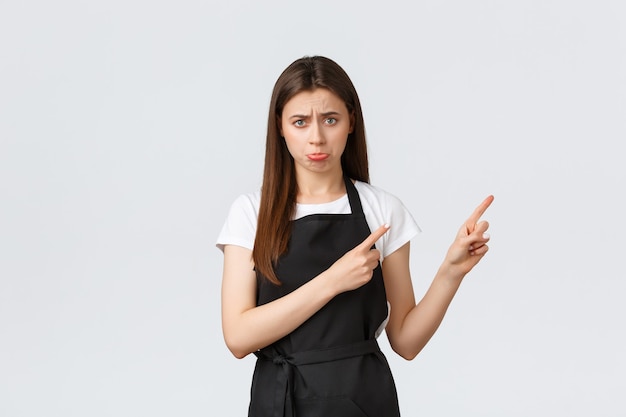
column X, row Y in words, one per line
column 316, row 264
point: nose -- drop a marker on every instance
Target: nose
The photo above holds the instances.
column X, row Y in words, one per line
column 316, row 134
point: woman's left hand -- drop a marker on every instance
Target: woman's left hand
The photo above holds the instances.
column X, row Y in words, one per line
column 470, row 244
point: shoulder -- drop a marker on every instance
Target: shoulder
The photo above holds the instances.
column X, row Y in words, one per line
column 245, row 208
column 240, row 225
column 249, row 203
column 374, row 195
column 380, row 207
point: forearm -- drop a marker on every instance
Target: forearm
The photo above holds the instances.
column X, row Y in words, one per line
column 261, row 326
column 423, row 320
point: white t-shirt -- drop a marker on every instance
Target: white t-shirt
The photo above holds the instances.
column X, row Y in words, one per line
column 379, row 208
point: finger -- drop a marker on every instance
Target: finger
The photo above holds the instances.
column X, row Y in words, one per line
column 481, row 228
column 480, row 235
column 374, row 258
column 478, row 244
column 470, row 224
column 376, row 234
column 480, row 210
column 480, row 251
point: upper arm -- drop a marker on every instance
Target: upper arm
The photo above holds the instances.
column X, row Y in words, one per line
column 399, row 289
column 238, row 285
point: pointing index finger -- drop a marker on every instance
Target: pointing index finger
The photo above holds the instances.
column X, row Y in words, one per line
column 372, row 238
column 478, row 212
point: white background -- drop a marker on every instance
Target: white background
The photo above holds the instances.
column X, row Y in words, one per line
column 128, row 127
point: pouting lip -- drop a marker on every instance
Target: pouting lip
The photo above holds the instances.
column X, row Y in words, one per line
column 317, row 156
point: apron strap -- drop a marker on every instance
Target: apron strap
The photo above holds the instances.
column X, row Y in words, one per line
column 353, row 196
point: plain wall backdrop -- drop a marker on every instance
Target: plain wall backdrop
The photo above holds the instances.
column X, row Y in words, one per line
column 127, row 128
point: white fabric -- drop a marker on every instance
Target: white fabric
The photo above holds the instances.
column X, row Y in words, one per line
column 379, row 207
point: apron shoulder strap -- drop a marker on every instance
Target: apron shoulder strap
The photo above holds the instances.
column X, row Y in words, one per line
column 353, row 196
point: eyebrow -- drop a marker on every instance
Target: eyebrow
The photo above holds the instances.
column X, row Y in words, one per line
column 306, row 116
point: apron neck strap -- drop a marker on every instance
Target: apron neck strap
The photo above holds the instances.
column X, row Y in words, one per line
column 353, row 197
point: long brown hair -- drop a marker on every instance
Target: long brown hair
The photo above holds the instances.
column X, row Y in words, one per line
column 279, row 189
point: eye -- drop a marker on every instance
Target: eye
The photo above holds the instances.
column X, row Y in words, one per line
column 331, row 121
column 299, row 123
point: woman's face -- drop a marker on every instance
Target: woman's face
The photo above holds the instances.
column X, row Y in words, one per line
column 315, row 125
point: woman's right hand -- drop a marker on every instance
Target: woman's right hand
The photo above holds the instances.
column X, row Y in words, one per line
column 356, row 267
column 248, row 327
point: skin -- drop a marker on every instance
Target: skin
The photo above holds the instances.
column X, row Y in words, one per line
column 315, row 125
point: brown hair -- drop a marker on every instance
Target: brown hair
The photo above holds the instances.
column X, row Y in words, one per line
column 279, row 189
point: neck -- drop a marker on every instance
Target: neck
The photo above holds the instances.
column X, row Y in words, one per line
column 315, row 188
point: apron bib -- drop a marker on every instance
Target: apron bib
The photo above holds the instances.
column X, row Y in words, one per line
column 330, row 366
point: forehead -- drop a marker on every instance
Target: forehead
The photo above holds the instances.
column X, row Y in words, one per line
column 320, row 99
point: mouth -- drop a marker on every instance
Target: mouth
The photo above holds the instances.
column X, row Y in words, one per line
column 317, row 156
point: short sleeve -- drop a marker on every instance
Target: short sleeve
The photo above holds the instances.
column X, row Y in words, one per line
column 240, row 226
column 382, row 207
column 403, row 225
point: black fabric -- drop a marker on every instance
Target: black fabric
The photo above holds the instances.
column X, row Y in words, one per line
column 331, row 365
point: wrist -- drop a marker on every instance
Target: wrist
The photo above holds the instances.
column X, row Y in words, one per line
column 328, row 285
column 450, row 274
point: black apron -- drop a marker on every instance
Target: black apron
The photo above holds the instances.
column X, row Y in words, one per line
column 330, row 366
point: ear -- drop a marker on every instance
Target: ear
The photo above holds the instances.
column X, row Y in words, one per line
column 351, row 123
